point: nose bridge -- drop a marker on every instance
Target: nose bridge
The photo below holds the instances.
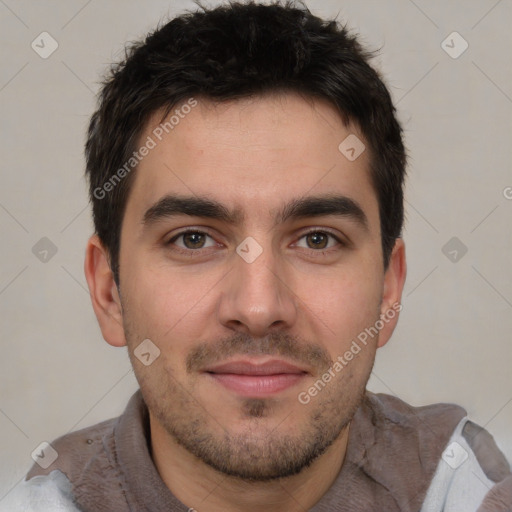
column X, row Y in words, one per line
column 257, row 279
column 256, row 297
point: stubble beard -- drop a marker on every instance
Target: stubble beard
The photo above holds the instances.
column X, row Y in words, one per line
column 258, row 453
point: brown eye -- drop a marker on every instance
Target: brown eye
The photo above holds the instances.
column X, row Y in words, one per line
column 317, row 240
column 192, row 240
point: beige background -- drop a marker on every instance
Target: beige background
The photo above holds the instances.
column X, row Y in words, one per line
column 453, row 342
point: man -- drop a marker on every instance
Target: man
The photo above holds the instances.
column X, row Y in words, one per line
column 246, row 172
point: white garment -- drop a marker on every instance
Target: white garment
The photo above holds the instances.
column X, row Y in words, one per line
column 459, row 483
column 50, row 493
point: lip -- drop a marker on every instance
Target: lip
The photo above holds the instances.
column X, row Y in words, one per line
column 256, row 379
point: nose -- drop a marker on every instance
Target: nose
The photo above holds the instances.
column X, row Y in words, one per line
column 257, row 297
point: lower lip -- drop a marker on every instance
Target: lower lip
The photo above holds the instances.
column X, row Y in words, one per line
column 257, row 386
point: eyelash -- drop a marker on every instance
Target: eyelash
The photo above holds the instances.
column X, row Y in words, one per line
column 191, row 252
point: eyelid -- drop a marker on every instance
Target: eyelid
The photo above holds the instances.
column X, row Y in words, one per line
column 204, row 231
column 341, row 240
column 185, row 231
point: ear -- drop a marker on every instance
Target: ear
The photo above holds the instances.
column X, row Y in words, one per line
column 394, row 279
column 103, row 291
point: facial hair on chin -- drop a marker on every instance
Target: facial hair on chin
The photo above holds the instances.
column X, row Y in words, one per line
column 258, row 453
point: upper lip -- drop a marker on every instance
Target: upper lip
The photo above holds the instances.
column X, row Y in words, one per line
column 245, row 367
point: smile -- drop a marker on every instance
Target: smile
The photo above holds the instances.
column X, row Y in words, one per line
column 250, row 379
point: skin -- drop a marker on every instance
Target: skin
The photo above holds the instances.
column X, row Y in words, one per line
column 215, row 449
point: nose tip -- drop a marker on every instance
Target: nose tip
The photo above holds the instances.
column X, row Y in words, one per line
column 255, row 300
column 257, row 324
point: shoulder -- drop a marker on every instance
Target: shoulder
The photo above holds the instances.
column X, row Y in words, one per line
column 472, row 475
column 51, row 493
column 428, row 424
column 76, row 450
column 398, row 446
column 467, row 469
column 397, row 410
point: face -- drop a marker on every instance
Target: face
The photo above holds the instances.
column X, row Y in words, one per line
column 251, row 258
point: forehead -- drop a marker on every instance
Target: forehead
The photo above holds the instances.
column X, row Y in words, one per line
column 252, row 154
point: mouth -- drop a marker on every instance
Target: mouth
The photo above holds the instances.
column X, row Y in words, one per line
column 256, row 379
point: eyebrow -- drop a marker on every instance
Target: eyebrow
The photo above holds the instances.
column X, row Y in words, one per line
column 319, row 206
column 312, row 206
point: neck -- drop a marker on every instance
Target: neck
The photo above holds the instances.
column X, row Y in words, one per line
column 201, row 487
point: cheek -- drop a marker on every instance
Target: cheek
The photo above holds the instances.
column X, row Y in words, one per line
column 166, row 305
column 343, row 304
